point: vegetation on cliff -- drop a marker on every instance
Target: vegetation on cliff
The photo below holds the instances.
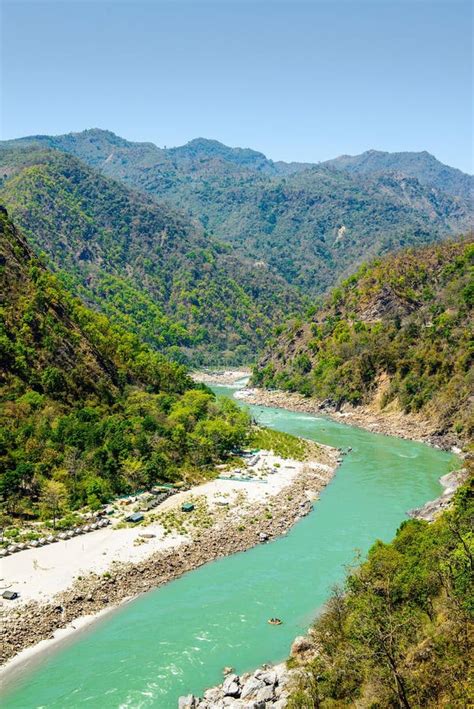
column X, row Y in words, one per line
column 398, row 332
column 399, row 633
column 87, row 410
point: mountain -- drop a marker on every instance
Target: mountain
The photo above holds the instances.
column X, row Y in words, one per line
column 87, row 409
column 311, row 224
column 423, row 166
column 396, row 335
column 104, row 149
column 143, row 264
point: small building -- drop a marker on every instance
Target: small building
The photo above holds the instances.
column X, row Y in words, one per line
column 135, row 517
column 159, row 489
column 187, row 507
column 10, row 595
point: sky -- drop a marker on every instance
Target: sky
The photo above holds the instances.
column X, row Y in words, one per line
column 302, row 81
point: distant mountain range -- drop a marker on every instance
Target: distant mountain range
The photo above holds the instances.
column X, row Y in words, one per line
column 308, row 223
column 221, row 242
column 422, row 166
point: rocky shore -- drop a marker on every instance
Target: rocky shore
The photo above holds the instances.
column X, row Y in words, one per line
column 30, row 623
column 267, row 687
column 433, row 508
column 391, row 423
column 224, row 377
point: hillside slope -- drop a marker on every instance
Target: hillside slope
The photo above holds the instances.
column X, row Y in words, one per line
column 397, row 334
column 86, row 406
column 141, row 263
column 311, row 224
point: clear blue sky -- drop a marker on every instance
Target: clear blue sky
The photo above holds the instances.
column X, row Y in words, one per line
column 296, row 80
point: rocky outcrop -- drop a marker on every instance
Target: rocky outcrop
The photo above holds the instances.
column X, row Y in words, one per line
column 222, row 377
column 266, row 688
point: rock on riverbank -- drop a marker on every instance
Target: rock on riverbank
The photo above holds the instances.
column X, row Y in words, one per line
column 226, row 377
column 266, row 688
column 434, row 508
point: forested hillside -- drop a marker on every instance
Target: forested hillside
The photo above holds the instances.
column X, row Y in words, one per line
column 397, row 333
column 87, row 410
column 309, row 223
column 399, row 634
column 141, row 263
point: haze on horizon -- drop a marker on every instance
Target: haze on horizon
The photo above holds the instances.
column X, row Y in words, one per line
column 298, row 81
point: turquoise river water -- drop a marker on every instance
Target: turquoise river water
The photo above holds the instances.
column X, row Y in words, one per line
column 177, row 639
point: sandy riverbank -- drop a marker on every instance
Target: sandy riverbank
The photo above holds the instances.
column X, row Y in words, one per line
column 224, row 377
column 83, row 576
column 391, row 423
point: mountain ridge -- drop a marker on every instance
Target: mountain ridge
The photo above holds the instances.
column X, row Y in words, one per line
column 428, row 170
column 310, row 224
column 343, row 161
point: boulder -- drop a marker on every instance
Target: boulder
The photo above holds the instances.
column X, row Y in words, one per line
column 231, row 686
column 300, row 644
column 282, row 673
column 266, row 694
column 187, row 702
column 268, row 676
column 212, row 695
column 251, row 687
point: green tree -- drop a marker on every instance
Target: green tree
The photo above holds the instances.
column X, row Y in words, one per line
column 53, row 500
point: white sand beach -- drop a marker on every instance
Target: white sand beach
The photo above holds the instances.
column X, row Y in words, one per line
column 39, row 574
column 67, row 585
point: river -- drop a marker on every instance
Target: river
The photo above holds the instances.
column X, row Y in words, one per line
column 177, row 639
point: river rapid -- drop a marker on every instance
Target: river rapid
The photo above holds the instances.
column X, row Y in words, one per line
column 176, row 640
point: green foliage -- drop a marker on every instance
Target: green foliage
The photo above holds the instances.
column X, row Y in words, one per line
column 87, row 410
column 398, row 635
column 142, row 264
column 283, row 444
column 382, row 333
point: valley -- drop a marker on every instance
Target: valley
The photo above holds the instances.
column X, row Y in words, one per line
column 124, row 264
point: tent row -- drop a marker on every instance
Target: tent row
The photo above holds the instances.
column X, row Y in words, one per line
column 61, row 536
